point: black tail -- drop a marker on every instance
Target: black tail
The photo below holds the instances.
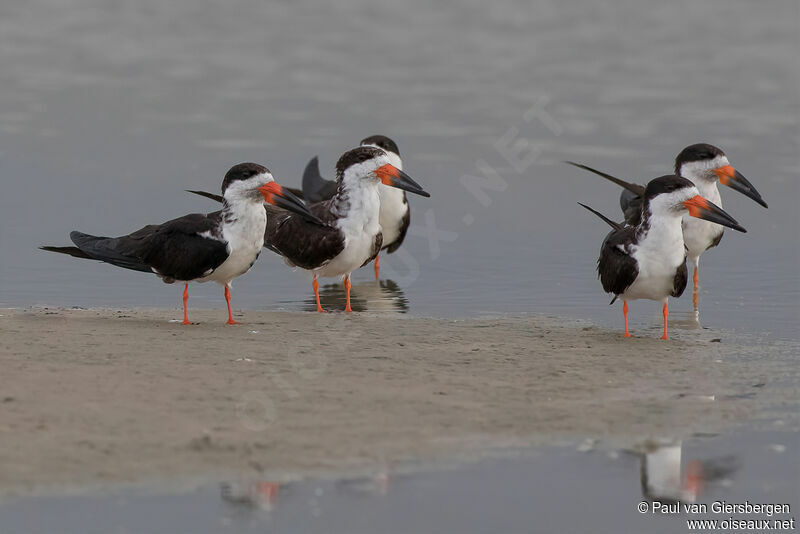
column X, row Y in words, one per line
column 212, row 196
column 315, row 187
column 612, row 224
column 72, row 251
column 107, row 249
column 633, row 188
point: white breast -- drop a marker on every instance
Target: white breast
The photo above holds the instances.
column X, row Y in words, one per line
column 393, row 210
column 658, row 255
column 359, row 228
column 245, row 237
column 697, row 233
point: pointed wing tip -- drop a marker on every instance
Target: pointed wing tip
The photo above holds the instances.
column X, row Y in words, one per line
column 612, row 224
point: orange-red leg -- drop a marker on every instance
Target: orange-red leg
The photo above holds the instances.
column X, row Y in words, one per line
column 228, row 300
column 625, row 313
column 377, row 267
column 695, row 279
column 666, row 314
column 315, row 283
column 347, row 308
column 185, row 300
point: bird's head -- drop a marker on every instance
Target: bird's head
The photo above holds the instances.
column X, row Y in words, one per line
column 370, row 165
column 706, row 163
column 251, row 182
column 673, row 195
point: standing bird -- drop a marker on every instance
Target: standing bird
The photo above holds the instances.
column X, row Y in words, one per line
column 704, row 165
column 648, row 260
column 352, row 236
column 216, row 247
column 395, row 213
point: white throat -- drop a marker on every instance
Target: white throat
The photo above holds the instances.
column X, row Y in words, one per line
column 701, row 173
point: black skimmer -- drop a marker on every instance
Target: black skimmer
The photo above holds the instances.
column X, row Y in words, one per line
column 395, row 213
column 213, row 247
column 704, row 165
column 352, row 236
column 648, row 260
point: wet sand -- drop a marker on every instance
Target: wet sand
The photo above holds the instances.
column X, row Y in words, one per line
column 114, row 396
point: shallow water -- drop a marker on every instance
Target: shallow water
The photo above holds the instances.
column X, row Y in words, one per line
column 576, row 487
column 109, row 110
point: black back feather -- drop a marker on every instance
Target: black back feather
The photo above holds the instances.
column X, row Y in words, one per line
column 303, row 243
column 616, row 269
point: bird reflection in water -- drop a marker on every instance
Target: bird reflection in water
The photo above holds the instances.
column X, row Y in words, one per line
column 373, row 296
column 666, row 480
column 686, row 320
column 261, row 495
column 374, row 484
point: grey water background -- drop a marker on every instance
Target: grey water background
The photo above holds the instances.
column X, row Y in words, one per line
column 110, row 109
column 572, row 488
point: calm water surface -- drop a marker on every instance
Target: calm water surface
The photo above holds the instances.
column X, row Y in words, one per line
column 579, row 487
column 109, row 110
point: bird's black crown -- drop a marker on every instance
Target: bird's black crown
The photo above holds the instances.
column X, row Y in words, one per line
column 665, row 184
column 698, row 152
column 355, row 156
column 242, row 171
column 381, row 141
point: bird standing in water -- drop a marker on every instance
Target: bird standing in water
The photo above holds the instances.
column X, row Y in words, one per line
column 352, row 235
column 648, row 260
column 704, row 165
column 213, row 247
column 395, row 213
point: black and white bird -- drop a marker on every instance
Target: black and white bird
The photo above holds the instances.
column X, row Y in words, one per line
column 352, row 235
column 648, row 260
column 704, row 165
column 213, row 247
column 395, row 213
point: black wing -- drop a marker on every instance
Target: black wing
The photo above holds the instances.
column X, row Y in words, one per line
column 75, row 252
column 616, row 269
column 716, row 240
column 631, row 205
column 630, row 200
column 108, row 249
column 315, row 187
column 177, row 251
column 305, row 244
column 173, row 250
column 391, row 247
column 376, row 248
column 206, row 194
column 218, row 198
column 681, row 278
column 612, row 224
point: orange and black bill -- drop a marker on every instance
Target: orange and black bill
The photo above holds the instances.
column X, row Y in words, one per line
column 736, row 181
column 703, row 209
column 277, row 195
column 394, row 177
